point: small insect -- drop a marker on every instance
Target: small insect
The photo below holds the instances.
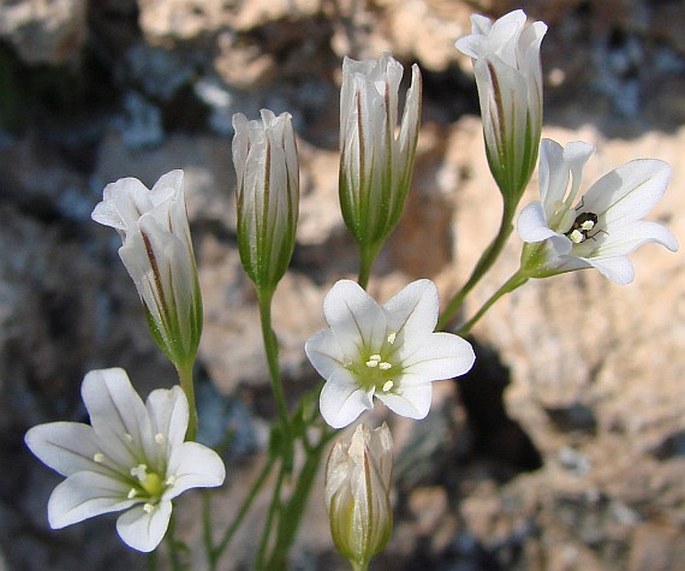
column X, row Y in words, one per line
column 580, row 230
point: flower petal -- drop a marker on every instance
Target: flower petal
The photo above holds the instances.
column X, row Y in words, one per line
column 440, row 356
column 169, row 186
column 168, row 410
column 610, row 257
column 412, row 401
column 122, row 204
column 342, row 401
column 623, row 240
column 84, row 495
column 629, row 192
column 413, row 311
column 618, row 269
column 532, row 225
column 324, row 353
column 117, row 415
column 66, row 447
column 354, row 317
column 194, row 466
column 142, row 530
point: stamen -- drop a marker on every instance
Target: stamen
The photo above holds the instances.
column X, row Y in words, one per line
column 159, row 438
column 391, row 338
column 148, row 508
column 140, row 472
column 132, row 493
column 375, row 357
column 387, row 386
column 128, row 437
column 384, row 366
column 170, row 481
column 371, row 364
column 98, row 457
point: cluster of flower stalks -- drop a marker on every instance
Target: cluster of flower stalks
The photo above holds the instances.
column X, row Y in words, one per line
column 136, row 457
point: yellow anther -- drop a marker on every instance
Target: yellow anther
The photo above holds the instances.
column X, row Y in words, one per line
column 388, row 385
column 391, row 338
column 384, row 366
column 372, row 364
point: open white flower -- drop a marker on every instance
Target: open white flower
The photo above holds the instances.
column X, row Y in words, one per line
column 506, row 63
column 132, row 457
column 389, row 351
column 602, row 227
column 158, row 254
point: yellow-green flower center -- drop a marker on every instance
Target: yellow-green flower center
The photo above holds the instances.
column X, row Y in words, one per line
column 377, row 367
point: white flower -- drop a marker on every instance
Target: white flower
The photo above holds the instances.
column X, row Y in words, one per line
column 357, row 493
column 377, row 159
column 389, row 351
column 602, row 227
column 266, row 165
column 158, row 254
column 506, row 61
column 132, row 457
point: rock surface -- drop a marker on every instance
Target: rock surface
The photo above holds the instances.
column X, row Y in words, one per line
column 564, row 448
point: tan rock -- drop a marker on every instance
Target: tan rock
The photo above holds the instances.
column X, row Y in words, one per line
column 44, row 31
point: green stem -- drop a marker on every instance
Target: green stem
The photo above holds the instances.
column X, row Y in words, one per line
column 207, row 528
column 291, row 516
column 273, row 509
column 152, row 561
column 367, row 256
column 185, row 376
column 356, row 566
column 217, row 551
column 271, row 349
column 171, row 543
column 515, row 281
column 485, row 262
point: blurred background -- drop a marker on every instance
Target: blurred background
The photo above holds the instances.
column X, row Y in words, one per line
column 564, row 449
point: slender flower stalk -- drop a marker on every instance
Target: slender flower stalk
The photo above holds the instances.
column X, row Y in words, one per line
column 388, row 351
column 157, row 252
column 268, row 191
column 266, row 164
column 131, row 458
column 506, row 62
column 377, row 157
column 357, row 494
column 565, row 233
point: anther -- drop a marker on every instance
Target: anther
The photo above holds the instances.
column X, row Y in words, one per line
column 132, row 493
column 391, row 338
column 159, row 438
column 98, row 457
column 140, row 472
column 384, row 366
column 148, row 508
column 388, row 385
column 128, row 437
